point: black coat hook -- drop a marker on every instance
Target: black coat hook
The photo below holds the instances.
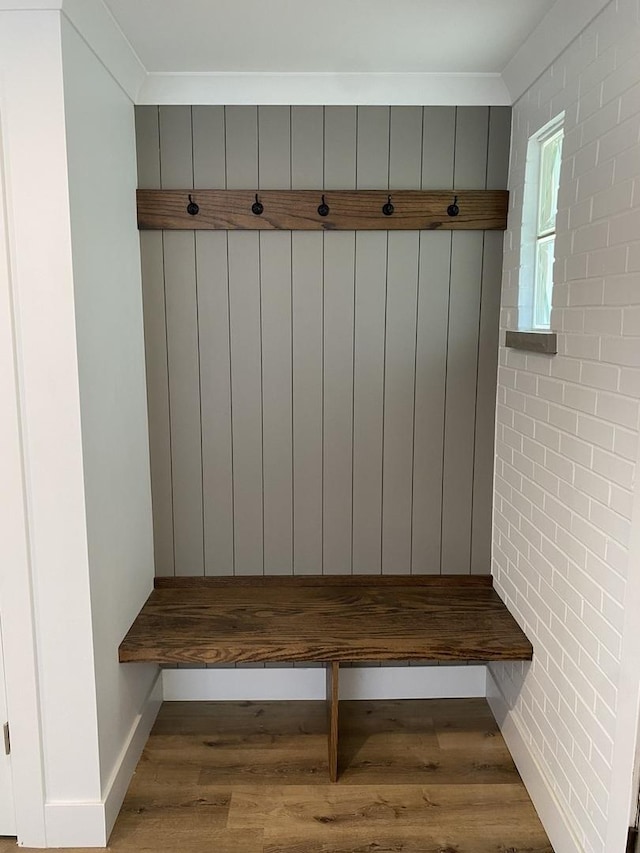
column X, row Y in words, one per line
column 257, row 207
column 453, row 209
column 388, row 208
column 192, row 208
column 323, row 209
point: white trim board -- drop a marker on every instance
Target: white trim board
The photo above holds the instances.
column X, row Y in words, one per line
column 555, row 821
column 99, row 29
column 89, row 824
column 116, row 787
column 79, row 824
column 345, row 89
column 16, row 586
column 561, row 25
column 300, row 683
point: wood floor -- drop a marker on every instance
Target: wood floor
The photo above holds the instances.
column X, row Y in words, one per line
column 416, row 777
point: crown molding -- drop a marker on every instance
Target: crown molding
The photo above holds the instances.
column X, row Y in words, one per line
column 93, row 20
column 97, row 26
column 30, row 5
column 560, row 26
column 324, row 89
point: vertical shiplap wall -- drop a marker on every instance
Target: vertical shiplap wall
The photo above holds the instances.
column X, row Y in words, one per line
column 322, row 402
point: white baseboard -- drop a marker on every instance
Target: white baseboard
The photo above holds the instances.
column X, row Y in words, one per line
column 89, row 824
column 75, row 824
column 413, row 682
column 550, row 811
column 117, row 785
column 387, row 682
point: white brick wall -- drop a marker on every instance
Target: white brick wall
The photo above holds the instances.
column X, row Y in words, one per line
column 567, row 426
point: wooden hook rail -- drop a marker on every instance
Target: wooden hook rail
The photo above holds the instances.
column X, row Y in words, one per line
column 328, row 210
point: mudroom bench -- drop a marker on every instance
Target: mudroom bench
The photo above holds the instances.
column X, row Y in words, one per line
column 328, row 619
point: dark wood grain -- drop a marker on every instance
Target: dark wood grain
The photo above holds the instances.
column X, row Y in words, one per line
column 200, row 582
column 298, row 210
column 333, row 697
column 373, row 622
column 545, row 343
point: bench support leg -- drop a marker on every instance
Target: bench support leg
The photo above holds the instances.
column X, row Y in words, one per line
column 333, row 670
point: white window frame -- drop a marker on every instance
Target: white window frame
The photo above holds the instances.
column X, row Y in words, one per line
column 531, row 235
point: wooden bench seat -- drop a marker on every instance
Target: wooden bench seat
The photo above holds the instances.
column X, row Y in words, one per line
column 362, row 618
column 330, row 619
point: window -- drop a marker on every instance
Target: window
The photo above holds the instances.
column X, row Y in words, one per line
column 539, row 225
column 549, row 170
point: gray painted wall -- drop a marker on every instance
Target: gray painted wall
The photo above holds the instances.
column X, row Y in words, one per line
column 322, row 402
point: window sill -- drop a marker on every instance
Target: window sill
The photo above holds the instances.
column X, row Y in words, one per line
column 544, row 343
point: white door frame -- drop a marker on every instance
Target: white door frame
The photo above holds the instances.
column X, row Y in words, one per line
column 16, row 599
column 7, row 808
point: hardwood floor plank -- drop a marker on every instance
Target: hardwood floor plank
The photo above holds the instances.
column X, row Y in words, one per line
column 152, row 775
column 199, row 582
column 411, row 716
column 192, row 822
column 394, row 760
column 302, row 807
column 296, row 769
column 160, row 800
column 415, row 840
column 417, row 776
column 221, row 841
column 277, row 717
column 199, row 840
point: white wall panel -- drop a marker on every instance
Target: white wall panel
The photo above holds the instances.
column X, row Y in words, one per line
column 369, row 342
column 215, row 402
column 399, row 375
column 438, row 147
column 307, row 172
column 157, row 379
column 339, row 293
column 405, row 167
column 277, row 401
column 246, row 391
column 368, row 397
column 430, row 381
column 308, row 345
column 460, row 401
column 339, row 387
column 212, row 275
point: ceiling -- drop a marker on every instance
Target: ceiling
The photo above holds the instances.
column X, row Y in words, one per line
column 446, row 36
